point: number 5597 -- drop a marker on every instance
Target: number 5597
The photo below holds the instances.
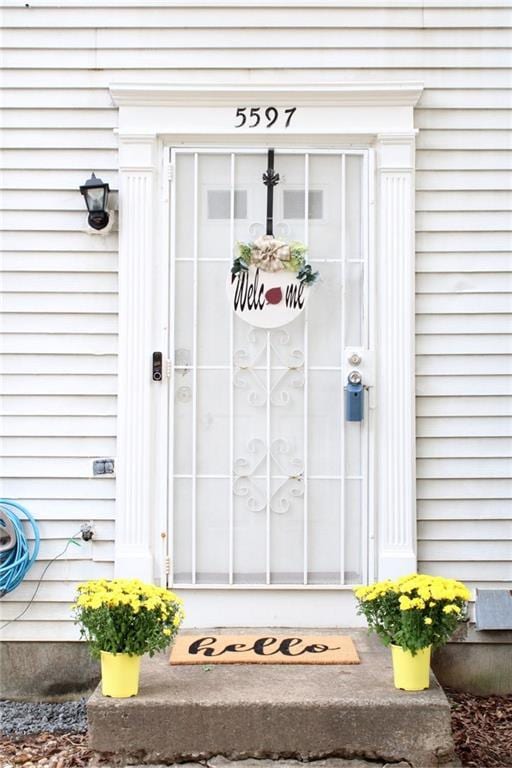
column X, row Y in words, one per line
column 251, row 117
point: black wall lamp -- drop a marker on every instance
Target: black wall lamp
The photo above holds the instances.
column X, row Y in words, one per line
column 96, row 198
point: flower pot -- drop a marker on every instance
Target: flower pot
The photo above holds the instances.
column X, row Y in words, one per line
column 411, row 673
column 119, row 675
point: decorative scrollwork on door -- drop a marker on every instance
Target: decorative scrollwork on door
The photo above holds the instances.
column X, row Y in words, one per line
column 248, row 379
column 245, row 468
column 280, row 342
column 246, row 475
column 281, row 500
column 281, row 452
column 275, row 456
column 247, row 374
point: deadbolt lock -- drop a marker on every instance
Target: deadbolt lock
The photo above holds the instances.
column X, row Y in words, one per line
column 355, row 359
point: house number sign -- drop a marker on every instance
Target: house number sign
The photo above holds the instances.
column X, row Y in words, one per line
column 252, row 117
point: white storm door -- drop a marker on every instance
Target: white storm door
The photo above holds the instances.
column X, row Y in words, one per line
column 268, row 483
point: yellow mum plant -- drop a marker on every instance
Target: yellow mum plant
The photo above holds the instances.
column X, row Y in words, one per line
column 413, row 611
column 127, row 616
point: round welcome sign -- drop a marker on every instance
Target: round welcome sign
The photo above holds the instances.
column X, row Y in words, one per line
column 270, row 282
column 267, row 299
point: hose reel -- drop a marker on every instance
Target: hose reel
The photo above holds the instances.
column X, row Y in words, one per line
column 17, row 554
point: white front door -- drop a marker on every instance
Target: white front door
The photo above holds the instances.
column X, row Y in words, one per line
column 268, row 481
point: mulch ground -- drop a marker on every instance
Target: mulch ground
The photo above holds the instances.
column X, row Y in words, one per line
column 482, row 729
column 47, row 750
column 68, row 750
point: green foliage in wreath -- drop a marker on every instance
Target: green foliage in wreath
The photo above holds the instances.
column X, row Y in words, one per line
column 297, row 257
column 272, row 255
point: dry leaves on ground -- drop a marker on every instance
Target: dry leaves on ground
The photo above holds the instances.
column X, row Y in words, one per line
column 45, row 750
column 482, row 729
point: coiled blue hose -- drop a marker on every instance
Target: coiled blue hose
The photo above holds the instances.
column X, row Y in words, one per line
column 16, row 562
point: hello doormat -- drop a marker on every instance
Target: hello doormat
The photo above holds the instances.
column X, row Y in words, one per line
column 263, row 649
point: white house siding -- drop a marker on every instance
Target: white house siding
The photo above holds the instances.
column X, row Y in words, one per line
column 59, row 310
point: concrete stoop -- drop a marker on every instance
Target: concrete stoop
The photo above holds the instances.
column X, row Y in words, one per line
column 302, row 712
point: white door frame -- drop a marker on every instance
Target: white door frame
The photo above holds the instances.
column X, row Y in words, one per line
column 151, row 118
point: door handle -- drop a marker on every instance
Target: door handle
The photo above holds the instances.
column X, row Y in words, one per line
column 355, row 377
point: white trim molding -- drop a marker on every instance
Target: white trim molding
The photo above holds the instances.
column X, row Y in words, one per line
column 377, row 115
column 344, row 112
column 325, row 94
column 137, row 158
column 395, row 414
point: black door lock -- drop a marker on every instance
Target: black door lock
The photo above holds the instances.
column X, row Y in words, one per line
column 157, row 366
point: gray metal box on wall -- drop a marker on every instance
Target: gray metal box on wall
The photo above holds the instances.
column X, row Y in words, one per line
column 493, row 609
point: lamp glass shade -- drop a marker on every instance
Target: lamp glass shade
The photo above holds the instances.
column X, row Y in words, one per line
column 95, row 193
column 95, row 199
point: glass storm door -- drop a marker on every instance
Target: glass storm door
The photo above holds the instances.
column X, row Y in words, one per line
column 267, row 480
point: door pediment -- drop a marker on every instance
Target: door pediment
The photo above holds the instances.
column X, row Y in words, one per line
column 354, row 110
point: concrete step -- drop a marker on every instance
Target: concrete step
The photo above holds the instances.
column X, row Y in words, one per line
column 306, row 712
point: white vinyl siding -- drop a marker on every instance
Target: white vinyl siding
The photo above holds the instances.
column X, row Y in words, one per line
column 59, row 309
